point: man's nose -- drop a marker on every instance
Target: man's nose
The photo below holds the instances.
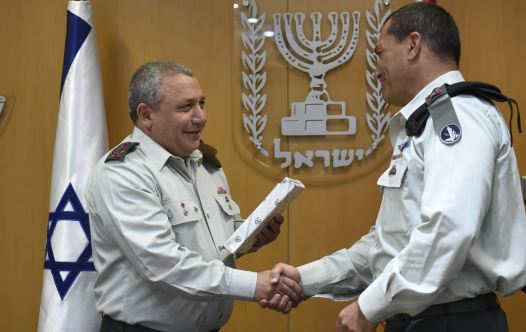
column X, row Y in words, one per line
column 377, row 73
column 199, row 114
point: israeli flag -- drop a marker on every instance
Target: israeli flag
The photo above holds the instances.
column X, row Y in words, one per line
column 67, row 293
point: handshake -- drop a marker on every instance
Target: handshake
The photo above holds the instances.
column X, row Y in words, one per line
column 279, row 289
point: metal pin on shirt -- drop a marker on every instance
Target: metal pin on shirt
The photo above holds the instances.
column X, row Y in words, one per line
column 392, row 171
column 185, row 211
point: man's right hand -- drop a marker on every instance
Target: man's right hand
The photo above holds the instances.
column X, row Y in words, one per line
column 286, row 280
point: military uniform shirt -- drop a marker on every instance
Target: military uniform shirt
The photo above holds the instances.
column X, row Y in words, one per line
column 157, row 225
column 451, row 224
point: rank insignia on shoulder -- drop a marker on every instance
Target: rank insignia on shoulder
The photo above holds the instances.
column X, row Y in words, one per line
column 435, row 94
column 450, row 134
column 209, row 155
column 120, row 151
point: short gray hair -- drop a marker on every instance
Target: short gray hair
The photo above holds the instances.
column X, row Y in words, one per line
column 145, row 83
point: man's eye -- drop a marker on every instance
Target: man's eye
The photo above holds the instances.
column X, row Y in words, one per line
column 186, row 107
column 202, row 104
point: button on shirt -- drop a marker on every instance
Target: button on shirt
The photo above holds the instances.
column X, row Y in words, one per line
column 451, row 224
column 157, row 225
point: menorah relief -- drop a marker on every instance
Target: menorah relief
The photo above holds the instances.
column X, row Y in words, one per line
column 316, row 57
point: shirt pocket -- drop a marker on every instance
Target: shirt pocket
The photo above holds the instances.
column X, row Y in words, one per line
column 393, row 177
column 394, row 221
column 182, row 211
column 227, row 204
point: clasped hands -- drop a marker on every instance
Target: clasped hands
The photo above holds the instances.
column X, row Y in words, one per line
column 279, row 289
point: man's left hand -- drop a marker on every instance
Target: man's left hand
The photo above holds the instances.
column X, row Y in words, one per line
column 271, row 232
column 351, row 319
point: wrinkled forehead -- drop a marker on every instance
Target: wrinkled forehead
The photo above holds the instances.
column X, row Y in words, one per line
column 179, row 82
column 181, row 87
column 176, row 79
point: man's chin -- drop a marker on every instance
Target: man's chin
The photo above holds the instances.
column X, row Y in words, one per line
column 385, row 93
column 194, row 145
column 387, row 97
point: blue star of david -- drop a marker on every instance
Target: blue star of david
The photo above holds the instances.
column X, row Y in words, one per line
column 82, row 263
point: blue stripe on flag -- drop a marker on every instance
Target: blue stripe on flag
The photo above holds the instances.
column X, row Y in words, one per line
column 76, row 33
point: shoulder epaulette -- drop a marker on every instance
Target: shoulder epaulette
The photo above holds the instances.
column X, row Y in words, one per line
column 417, row 121
column 120, row 151
column 209, row 155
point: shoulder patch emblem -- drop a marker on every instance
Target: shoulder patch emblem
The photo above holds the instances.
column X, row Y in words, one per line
column 450, row 134
column 120, row 151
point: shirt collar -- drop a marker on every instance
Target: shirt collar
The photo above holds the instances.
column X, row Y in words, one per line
column 397, row 123
column 156, row 153
column 450, row 77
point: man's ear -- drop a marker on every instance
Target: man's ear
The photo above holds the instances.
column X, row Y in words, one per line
column 414, row 45
column 144, row 115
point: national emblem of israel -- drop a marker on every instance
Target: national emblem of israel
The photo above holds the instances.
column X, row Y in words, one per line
column 319, row 133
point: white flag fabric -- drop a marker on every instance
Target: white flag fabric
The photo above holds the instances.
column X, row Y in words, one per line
column 67, row 302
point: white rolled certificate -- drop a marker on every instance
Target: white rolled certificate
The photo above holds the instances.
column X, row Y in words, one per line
column 276, row 201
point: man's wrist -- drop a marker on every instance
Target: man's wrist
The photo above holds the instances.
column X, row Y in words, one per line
column 372, row 303
column 313, row 277
column 242, row 284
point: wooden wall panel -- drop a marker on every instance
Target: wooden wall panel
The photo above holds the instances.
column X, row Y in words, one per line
column 28, row 48
column 204, row 35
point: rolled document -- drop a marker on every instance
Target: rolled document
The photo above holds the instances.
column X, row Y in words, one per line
column 276, row 201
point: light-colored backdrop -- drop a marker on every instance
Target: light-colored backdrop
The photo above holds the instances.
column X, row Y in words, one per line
column 203, row 34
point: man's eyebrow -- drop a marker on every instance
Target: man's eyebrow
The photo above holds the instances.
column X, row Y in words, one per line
column 192, row 100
